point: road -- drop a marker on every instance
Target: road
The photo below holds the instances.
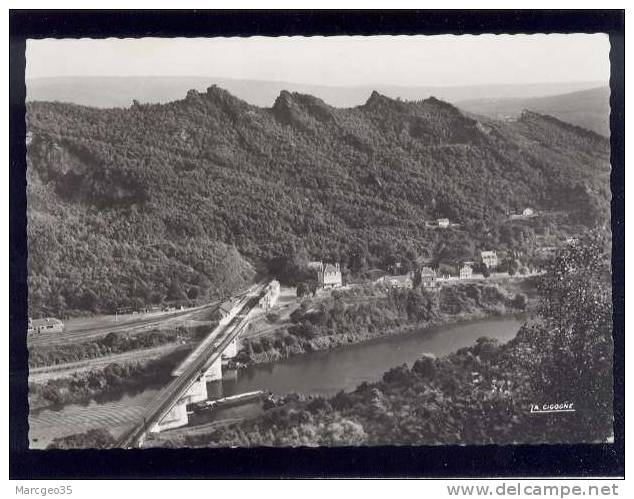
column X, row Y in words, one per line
column 166, row 399
column 89, row 333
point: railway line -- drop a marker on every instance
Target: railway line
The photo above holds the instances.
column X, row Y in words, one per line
column 93, row 332
column 166, row 399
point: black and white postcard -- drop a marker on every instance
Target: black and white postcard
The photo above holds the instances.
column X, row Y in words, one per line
column 317, row 242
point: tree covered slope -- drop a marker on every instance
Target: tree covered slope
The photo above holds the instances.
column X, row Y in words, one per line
column 169, row 201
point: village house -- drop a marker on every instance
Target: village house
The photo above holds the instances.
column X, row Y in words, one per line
column 397, row 281
column 526, row 213
column 489, row 259
column 466, row 272
column 546, row 250
column 329, row 276
column 395, row 268
column 271, row 294
column 314, row 265
column 223, row 310
column 47, row 325
column 443, row 223
column 427, row 277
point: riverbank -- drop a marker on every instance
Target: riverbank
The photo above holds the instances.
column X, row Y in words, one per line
column 365, row 314
column 112, row 381
column 319, row 387
column 326, row 343
column 316, row 374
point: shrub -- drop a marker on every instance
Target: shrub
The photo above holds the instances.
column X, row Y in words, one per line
column 425, row 366
column 91, row 439
column 519, row 302
column 396, row 374
column 272, row 317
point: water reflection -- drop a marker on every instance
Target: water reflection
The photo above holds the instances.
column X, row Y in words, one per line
column 326, row 373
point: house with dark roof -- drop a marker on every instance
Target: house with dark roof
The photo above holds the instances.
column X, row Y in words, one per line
column 329, row 276
column 489, row 258
column 427, row 277
column 466, row 272
column 47, row 325
column 270, row 295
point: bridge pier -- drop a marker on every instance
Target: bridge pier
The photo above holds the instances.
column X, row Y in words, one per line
column 197, row 393
column 214, row 373
column 232, row 349
column 176, row 418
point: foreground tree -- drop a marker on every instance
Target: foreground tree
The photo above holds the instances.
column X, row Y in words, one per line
column 573, row 348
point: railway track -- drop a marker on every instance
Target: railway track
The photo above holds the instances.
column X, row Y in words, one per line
column 166, row 399
column 128, row 326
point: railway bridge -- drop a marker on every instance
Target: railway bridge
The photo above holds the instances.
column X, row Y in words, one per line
column 189, row 385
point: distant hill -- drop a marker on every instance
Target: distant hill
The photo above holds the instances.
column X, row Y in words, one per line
column 120, row 92
column 589, row 109
column 181, row 200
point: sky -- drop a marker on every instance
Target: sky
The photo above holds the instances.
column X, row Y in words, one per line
column 445, row 60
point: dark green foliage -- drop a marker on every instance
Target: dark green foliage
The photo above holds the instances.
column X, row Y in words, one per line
column 91, row 439
column 575, row 349
column 272, row 317
column 519, row 302
column 149, row 204
column 87, row 384
column 425, row 367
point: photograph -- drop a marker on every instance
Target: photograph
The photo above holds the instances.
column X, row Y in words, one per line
column 319, row 241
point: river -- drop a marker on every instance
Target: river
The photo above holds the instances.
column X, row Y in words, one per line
column 318, row 373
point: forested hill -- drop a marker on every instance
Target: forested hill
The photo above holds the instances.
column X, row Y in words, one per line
column 586, row 108
column 161, row 202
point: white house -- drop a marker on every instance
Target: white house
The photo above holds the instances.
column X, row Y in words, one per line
column 427, row 277
column 47, row 325
column 270, row 296
column 466, row 272
column 443, row 223
column 397, row 281
column 489, row 258
column 329, row 276
column 528, row 212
